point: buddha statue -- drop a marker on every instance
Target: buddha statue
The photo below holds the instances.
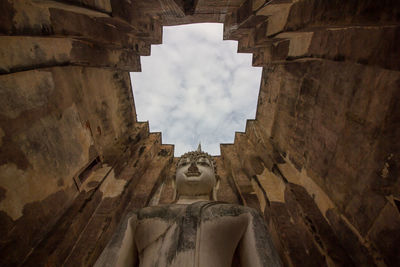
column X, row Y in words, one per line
column 196, row 230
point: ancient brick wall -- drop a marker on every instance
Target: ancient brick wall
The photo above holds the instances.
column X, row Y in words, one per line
column 323, row 151
column 320, row 160
column 66, row 119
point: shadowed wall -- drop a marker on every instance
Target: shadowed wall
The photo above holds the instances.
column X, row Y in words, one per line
column 320, row 161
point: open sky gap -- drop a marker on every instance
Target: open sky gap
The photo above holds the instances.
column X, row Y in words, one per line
column 196, row 87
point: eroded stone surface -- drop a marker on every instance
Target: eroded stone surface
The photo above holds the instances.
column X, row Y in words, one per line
column 327, row 125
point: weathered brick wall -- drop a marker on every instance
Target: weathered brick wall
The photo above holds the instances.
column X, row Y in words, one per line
column 323, row 151
column 320, row 160
column 66, row 100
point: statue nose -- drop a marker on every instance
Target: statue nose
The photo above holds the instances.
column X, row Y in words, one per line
column 193, row 167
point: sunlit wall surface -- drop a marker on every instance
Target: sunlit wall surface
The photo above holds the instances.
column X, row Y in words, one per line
column 195, row 87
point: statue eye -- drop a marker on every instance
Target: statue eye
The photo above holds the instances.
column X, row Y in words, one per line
column 203, row 163
column 183, row 163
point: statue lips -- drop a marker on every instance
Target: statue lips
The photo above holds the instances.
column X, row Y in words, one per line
column 192, row 174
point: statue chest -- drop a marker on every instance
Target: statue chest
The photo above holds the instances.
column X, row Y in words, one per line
column 189, row 236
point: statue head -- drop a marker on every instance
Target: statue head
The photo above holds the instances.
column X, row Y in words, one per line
column 196, row 175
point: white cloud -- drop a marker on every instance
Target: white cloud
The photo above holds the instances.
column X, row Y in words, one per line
column 195, row 87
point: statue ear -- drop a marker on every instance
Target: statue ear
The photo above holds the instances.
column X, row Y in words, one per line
column 216, row 187
column 175, row 196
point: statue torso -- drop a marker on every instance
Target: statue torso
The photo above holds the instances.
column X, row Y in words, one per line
column 200, row 234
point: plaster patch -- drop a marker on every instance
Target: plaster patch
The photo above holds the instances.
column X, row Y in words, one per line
column 112, row 187
column 29, row 14
column 29, row 51
column 322, row 200
column 273, row 186
column 22, row 188
column 12, row 204
column 56, row 147
column 104, row 4
column 299, row 42
column 24, row 91
column 50, row 161
column 277, row 16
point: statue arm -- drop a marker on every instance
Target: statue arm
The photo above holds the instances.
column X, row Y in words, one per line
column 121, row 251
column 256, row 248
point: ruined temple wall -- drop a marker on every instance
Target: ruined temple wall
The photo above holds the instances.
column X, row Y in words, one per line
column 322, row 153
column 320, row 160
column 332, row 136
column 74, row 160
column 54, row 127
column 67, row 113
column 85, row 229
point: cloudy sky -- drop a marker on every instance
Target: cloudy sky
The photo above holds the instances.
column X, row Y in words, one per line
column 195, row 87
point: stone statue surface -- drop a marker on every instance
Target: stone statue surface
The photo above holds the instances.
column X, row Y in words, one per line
column 195, row 231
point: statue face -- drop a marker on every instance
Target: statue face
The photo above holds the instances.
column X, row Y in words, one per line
column 195, row 176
